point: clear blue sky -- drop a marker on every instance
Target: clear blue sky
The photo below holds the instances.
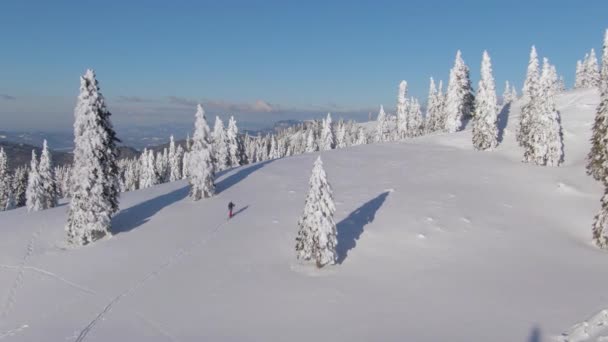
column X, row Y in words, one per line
column 289, row 56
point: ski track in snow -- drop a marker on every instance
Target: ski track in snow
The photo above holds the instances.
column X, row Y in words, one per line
column 12, row 332
column 50, row 275
column 12, row 293
column 131, row 290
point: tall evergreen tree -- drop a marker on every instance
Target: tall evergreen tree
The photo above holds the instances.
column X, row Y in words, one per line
column 311, row 143
column 34, row 193
column 201, row 172
column 530, row 90
column 433, row 120
column 175, row 167
column 317, row 233
column 597, row 159
column 5, row 181
column 402, row 111
column 327, row 135
column 20, row 182
column 604, row 69
column 361, row 137
column 460, row 99
column 220, row 145
column 415, row 121
column 95, row 188
column 580, row 75
column 47, row 178
column 485, row 131
column 506, row 95
column 382, row 127
column 147, row 170
column 545, row 143
column 236, row 149
column 592, row 71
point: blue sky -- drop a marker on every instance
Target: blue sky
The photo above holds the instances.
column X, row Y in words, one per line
column 155, row 58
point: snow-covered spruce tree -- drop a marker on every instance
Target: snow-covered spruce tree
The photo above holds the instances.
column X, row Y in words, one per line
column 402, row 111
column 415, row 121
column 188, row 142
column 20, row 182
column 5, row 181
column 530, row 90
column 327, row 135
column 311, row 143
column 317, row 233
column 95, row 173
column 147, row 169
column 361, row 137
column 597, row 159
column 600, row 224
column 34, row 193
column 236, row 149
column 220, row 145
column 578, row 81
column 201, row 172
column 485, row 131
column 592, row 71
column 175, row 167
column 544, row 145
column 532, row 75
column 460, row 99
column 162, row 166
column 382, row 126
column 341, row 135
column 604, row 69
column 506, row 95
column 47, row 178
column 513, row 93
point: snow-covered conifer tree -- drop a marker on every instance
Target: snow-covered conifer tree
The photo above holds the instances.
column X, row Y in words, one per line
column 311, row 143
column 5, row 181
column 35, row 192
column 460, row 99
column 341, row 135
column 220, row 145
column 600, row 224
column 236, row 149
column 131, row 175
column 580, row 75
column 95, row 172
column 544, row 145
column 317, row 233
column 402, row 111
column 47, row 178
column 485, row 131
column 327, row 135
column 532, row 75
column 20, row 182
column 592, row 71
column 175, row 168
column 506, row 95
column 604, row 69
column 361, row 137
column 201, row 172
column 530, row 90
column 382, row 126
column 597, row 159
column 415, row 120
column 147, row 170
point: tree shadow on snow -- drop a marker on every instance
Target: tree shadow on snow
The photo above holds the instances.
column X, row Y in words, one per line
column 133, row 217
column 238, row 176
column 351, row 228
column 503, row 120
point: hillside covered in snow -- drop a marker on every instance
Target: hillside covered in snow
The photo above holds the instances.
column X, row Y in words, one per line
column 436, row 242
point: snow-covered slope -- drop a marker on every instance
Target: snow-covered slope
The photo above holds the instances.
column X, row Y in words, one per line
column 437, row 242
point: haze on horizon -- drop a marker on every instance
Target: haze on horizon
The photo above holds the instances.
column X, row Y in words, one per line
column 266, row 61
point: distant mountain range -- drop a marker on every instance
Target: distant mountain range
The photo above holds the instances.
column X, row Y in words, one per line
column 19, row 145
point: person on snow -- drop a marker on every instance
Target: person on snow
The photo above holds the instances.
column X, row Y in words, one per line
column 230, row 207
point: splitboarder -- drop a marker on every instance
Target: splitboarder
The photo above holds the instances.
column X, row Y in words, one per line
column 230, row 207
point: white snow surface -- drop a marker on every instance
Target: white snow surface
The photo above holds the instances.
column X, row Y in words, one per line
column 436, row 242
